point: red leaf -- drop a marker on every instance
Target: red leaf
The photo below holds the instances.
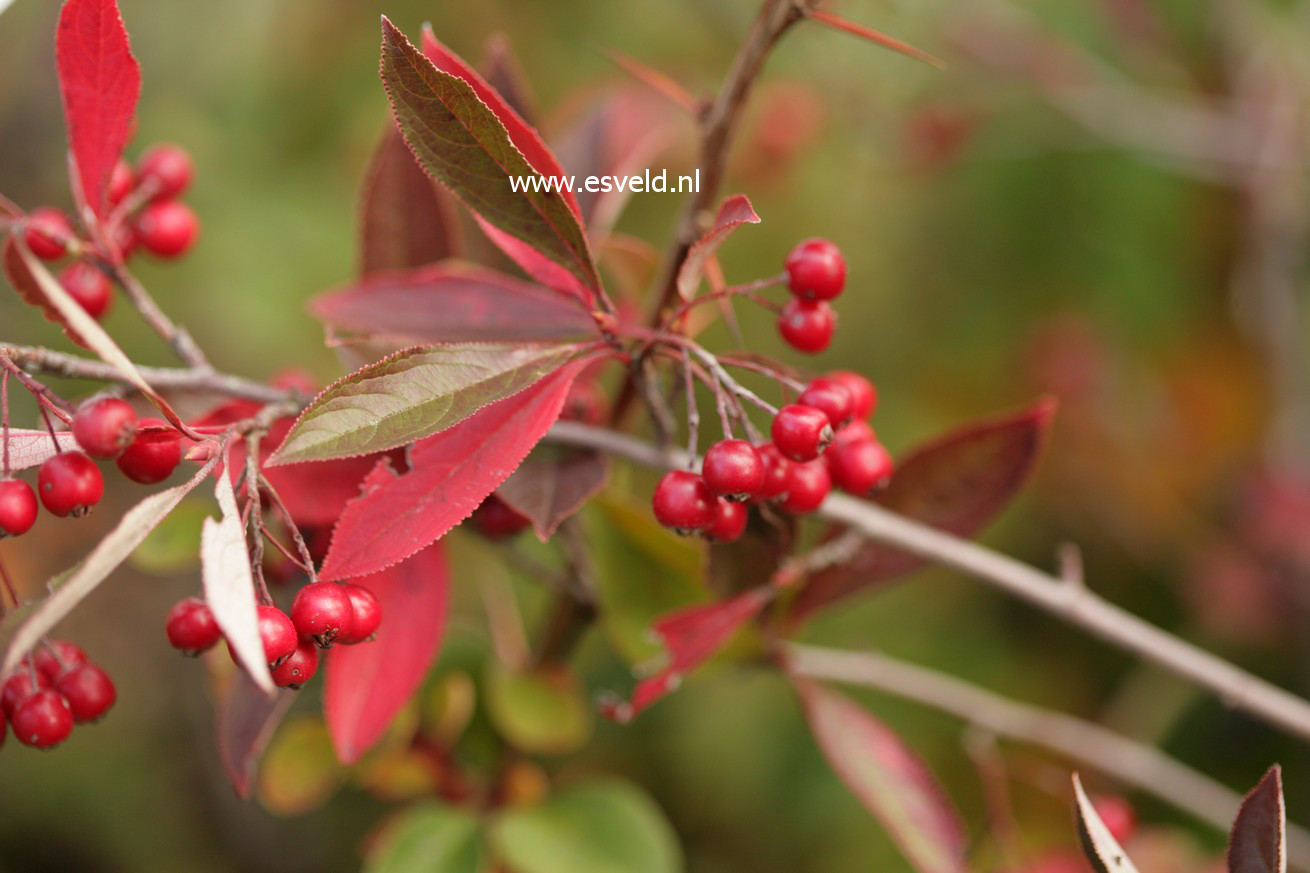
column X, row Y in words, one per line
column 100, row 81
column 503, row 73
column 733, row 213
column 369, row 684
column 450, row 474
column 958, row 483
column 406, row 219
column 888, row 778
column 453, row 303
column 553, row 484
column 836, row 22
column 657, row 81
column 1258, row 843
column 691, row 637
column 247, row 718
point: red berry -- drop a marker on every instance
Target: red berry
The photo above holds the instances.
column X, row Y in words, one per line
column 89, row 692
column 495, row 520
column 856, row 431
column 729, row 521
column 808, row 487
column 777, row 473
column 167, row 228
column 801, row 432
column 43, row 719
column 277, row 632
column 832, row 397
column 858, row 466
column 105, row 427
column 807, row 327
column 297, row 668
column 322, row 611
column 733, row 469
column 18, row 687
column 89, row 286
column 191, row 627
column 864, row 395
column 125, row 239
column 69, row 484
column 816, row 270
column 121, row 182
column 47, row 233
column 368, row 616
column 58, row 658
column 1118, row 815
column 152, row 457
column 683, row 502
column 167, row 168
column 17, row 507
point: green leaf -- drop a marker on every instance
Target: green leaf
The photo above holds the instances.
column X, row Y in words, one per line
column 300, row 769
column 599, row 827
column 544, row 712
column 428, row 838
column 414, row 394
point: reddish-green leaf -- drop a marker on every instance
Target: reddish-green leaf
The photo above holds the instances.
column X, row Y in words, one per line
column 368, row 684
column 246, row 719
column 958, row 483
column 32, row 448
column 1099, row 845
column 733, row 213
column 450, row 474
column 836, row 22
column 1258, row 843
column 100, row 82
column 552, row 484
column 406, row 219
column 414, row 394
column 888, row 779
column 454, row 302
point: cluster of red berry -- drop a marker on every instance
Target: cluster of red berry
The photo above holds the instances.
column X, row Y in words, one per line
column 146, row 214
column 816, row 273
column 50, row 692
column 69, row 482
column 322, row 614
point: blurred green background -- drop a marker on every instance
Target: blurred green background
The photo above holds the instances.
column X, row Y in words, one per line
column 1047, row 215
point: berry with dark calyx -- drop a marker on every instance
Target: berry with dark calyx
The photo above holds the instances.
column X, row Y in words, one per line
column 733, row 469
column 729, row 523
column 297, row 668
column 191, row 627
column 166, row 169
column 167, row 228
column 17, row 507
column 809, row 485
column 858, row 466
column 832, row 397
column 57, row 658
column 47, row 233
column 368, row 616
column 277, row 633
column 777, row 473
column 496, row 520
column 18, row 686
column 863, row 394
column 857, row 431
column 801, row 432
column 683, row 502
column 322, row 611
column 816, row 270
column 89, row 286
column 807, row 327
column 69, row 484
column 152, row 457
column 121, row 182
column 42, row 719
column 89, row 692
column 104, row 428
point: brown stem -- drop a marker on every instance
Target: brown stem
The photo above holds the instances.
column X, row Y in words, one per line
column 177, row 337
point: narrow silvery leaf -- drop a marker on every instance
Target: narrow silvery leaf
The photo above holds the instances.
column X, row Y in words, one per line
column 1099, row 845
column 32, row 448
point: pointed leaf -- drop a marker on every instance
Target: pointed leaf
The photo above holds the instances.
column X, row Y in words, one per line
column 32, row 448
column 1099, row 845
column 503, row 73
column 655, row 80
column 836, row 22
column 428, row 838
column 100, row 82
column 733, row 213
column 552, row 484
column 450, row 474
column 406, row 220
column 246, row 719
column 369, row 684
column 1258, row 843
column 888, row 779
column 414, row 394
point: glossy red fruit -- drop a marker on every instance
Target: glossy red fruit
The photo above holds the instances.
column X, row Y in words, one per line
column 729, row 523
column 167, row 228
column 733, row 469
column 17, row 507
column 832, row 397
column 121, row 182
column 89, row 692
column 104, row 428
column 863, row 395
column 1119, row 816
column 60, row 656
column 152, row 457
column 777, row 473
column 43, row 719
column 801, row 432
column 859, row 466
column 17, row 687
column 89, row 286
column 166, row 168
column 69, row 484
column 368, row 616
column 807, row 327
column 47, row 233
column 191, row 627
column 495, row 520
column 322, row 611
column 125, row 239
column 683, row 502
column 857, row 431
column 809, row 485
column 816, row 270
column 277, row 632
column 299, row 667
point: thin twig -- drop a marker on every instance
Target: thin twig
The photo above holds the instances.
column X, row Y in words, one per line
column 177, row 337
